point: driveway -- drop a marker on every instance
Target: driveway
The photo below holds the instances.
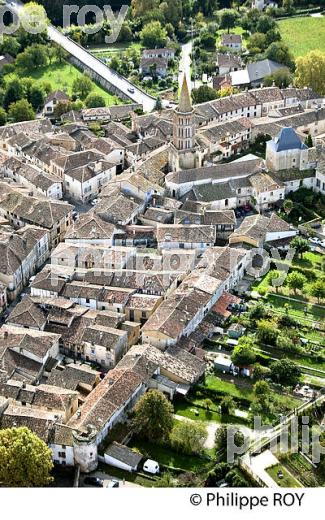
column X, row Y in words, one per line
column 260, row 463
column 107, row 479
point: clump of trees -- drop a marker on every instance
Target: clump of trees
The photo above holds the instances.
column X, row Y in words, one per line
column 25, row 460
column 153, row 420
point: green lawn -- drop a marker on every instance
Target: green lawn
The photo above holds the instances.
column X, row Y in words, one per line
column 303, row 34
column 114, row 48
column 287, row 480
column 195, row 410
column 227, row 388
column 168, row 457
column 310, row 265
column 235, row 30
column 296, row 309
column 62, row 76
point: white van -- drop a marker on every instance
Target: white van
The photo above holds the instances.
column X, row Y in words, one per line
column 151, row 466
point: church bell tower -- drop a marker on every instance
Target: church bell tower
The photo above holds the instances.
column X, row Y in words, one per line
column 184, row 153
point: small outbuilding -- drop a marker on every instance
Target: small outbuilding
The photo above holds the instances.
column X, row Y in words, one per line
column 122, row 457
column 223, row 364
column 235, row 331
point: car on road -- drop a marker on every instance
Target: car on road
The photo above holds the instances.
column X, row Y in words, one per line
column 93, row 481
column 131, row 90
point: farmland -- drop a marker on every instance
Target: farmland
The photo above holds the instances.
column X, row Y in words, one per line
column 303, row 34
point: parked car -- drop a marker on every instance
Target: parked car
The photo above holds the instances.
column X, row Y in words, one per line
column 113, row 483
column 151, row 466
column 94, row 481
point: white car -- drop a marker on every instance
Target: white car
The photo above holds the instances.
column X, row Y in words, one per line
column 151, row 466
column 131, row 90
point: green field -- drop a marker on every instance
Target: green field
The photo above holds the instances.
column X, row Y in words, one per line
column 168, row 457
column 61, row 76
column 287, row 480
column 303, row 34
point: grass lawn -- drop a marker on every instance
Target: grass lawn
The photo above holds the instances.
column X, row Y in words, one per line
column 235, row 30
column 166, row 456
column 303, row 34
column 234, row 390
column 62, row 76
column 287, row 480
column 310, row 265
column 114, row 48
column 296, row 309
column 193, row 410
column 227, row 388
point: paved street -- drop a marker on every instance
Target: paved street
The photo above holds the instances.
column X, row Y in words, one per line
column 185, row 62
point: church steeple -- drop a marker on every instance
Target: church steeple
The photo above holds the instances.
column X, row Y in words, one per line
column 183, row 152
column 184, row 104
column 183, row 126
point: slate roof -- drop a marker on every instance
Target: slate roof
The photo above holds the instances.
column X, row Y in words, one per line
column 124, row 454
column 286, row 140
column 260, row 69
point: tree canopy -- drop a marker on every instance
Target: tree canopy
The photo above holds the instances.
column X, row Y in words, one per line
column 153, row 35
column 285, row 372
column 310, row 71
column 189, row 437
column 153, row 416
column 25, row 460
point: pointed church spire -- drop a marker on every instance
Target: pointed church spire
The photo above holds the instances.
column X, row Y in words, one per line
column 184, row 104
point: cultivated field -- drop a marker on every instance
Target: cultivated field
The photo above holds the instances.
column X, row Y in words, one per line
column 303, row 34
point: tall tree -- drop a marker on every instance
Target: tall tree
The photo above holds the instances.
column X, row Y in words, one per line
column 227, row 405
column 153, row 35
column 317, row 289
column 82, row 86
column 285, row 372
column 25, row 460
column 296, row 281
column 243, row 354
column 14, row 92
column 189, row 437
column 228, row 19
column 153, row 416
column 300, row 244
column 310, row 71
column 22, row 110
column 280, row 52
